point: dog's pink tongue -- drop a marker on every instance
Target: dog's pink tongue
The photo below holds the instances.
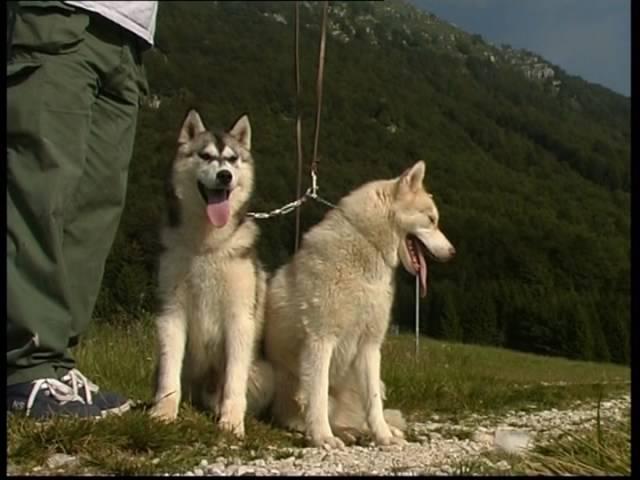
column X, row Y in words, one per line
column 218, row 208
column 423, row 274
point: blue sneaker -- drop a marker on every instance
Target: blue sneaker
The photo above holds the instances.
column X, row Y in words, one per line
column 48, row 397
column 109, row 403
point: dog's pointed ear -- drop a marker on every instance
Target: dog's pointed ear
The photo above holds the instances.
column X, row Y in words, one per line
column 191, row 126
column 241, row 130
column 412, row 178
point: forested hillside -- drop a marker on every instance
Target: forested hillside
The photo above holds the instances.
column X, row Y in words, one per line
column 529, row 165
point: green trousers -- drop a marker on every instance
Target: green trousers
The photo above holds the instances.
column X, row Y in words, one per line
column 74, row 80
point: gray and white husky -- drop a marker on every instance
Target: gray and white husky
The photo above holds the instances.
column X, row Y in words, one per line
column 210, row 283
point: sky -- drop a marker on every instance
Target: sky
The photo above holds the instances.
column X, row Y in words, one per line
column 587, row 38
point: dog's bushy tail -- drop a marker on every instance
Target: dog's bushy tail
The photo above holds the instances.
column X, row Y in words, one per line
column 395, row 419
column 347, row 412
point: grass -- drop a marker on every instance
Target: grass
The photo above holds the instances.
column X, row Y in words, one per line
column 451, row 379
column 134, row 444
column 603, row 450
column 458, row 378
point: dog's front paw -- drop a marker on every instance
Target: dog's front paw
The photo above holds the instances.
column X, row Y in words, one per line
column 232, row 425
column 232, row 417
column 327, row 442
column 166, row 410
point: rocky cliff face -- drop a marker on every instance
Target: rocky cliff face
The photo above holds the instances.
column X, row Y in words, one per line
column 410, row 27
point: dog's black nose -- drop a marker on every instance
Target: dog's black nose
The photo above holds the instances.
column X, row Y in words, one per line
column 224, row 177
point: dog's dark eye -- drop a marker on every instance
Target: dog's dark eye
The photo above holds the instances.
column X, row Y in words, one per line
column 207, row 157
column 432, row 219
column 233, row 158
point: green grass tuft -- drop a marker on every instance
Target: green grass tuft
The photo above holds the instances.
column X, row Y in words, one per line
column 601, row 450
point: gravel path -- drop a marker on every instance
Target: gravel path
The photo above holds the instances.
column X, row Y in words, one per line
column 441, row 447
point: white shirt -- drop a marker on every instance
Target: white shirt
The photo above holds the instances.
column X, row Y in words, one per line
column 137, row 17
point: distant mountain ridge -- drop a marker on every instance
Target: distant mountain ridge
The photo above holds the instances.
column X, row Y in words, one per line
column 415, row 27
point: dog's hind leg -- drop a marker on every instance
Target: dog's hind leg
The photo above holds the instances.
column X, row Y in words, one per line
column 347, row 411
column 260, row 387
column 347, row 415
column 208, row 390
column 261, row 383
column 172, row 337
column 285, row 409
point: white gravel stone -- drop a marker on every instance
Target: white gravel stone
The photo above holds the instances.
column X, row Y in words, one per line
column 513, row 441
column 57, row 460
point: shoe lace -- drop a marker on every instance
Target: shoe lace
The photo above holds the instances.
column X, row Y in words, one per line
column 76, row 380
column 61, row 392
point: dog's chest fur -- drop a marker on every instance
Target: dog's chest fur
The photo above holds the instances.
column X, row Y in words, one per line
column 207, row 288
column 210, row 283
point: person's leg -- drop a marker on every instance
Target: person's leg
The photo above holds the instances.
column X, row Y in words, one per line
column 50, row 90
column 54, row 76
column 93, row 214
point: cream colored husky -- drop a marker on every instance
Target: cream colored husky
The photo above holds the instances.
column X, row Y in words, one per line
column 210, row 282
column 328, row 310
